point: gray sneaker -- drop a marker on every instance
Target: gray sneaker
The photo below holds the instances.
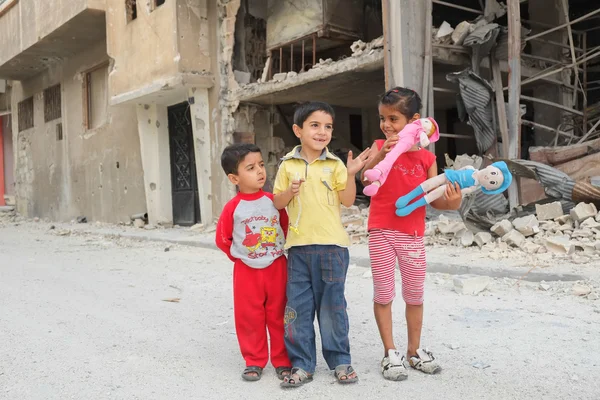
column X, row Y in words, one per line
column 392, row 366
column 425, row 362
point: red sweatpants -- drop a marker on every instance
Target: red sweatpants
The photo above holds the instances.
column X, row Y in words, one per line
column 259, row 304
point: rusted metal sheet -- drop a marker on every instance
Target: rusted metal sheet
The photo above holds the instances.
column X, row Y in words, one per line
column 585, row 192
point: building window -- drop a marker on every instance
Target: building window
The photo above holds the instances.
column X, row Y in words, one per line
column 59, row 132
column 95, row 96
column 52, row 108
column 154, row 4
column 131, row 9
column 26, row 114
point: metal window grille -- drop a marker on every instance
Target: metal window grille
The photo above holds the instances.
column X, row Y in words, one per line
column 25, row 114
column 52, row 103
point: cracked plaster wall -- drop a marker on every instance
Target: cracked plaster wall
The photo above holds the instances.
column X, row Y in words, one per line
column 162, row 43
column 95, row 173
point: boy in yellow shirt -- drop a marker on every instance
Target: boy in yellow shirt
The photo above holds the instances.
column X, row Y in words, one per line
column 313, row 183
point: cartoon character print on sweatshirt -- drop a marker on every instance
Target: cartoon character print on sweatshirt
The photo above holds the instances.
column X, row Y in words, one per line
column 265, row 239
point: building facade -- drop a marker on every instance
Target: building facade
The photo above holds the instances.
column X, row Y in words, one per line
column 120, row 107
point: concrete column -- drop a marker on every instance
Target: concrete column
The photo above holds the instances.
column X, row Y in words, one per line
column 404, row 34
column 154, row 143
column 203, row 151
column 1, row 163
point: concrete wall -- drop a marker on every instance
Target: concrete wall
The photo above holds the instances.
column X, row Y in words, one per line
column 160, row 43
column 96, row 173
column 9, row 159
column 29, row 21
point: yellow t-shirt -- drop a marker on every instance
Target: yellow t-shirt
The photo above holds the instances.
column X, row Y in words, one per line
column 316, row 212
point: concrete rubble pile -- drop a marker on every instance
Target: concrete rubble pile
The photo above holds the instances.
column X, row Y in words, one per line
column 354, row 220
column 549, row 231
column 7, row 215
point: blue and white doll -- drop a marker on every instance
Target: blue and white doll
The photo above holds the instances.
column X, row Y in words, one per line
column 493, row 179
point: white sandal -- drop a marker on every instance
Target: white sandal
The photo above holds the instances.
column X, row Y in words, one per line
column 425, row 362
column 392, row 366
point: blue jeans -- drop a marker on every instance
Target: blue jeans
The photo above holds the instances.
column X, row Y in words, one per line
column 316, row 282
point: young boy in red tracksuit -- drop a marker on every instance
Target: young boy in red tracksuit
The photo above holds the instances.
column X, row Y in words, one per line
column 251, row 231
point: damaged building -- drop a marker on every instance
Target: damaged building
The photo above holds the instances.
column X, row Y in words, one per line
column 504, row 81
column 122, row 107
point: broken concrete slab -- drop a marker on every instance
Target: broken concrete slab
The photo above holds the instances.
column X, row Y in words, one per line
column 470, row 284
column 583, row 211
column 560, row 244
column 466, row 237
column 242, row 77
column 482, row 238
column 444, row 30
column 502, row 227
column 514, row 238
column 460, row 33
column 581, row 290
column 450, row 227
column 548, row 211
column 590, row 223
column 528, row 225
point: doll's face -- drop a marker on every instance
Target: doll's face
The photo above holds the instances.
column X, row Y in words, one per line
column 428, row 126
column 490, row 178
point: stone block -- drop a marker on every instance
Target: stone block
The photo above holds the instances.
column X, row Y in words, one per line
column 502, row 227
column 560, row 244
column 514, row 238
column 548, row 211
column 460, row 33
column 466, row 237
column 451, row 227
column 583, row 211
column 483, row 238
column 590, row 223
column 528, row 225
column 470, row 284
column 563, row 219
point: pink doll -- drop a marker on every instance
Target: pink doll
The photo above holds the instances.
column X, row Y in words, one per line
column 422, row 131
column 493, row 179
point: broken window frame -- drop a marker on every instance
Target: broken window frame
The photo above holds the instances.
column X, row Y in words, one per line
column 87, row 95
column 25, row 117
column 131, row 10
column 52, row 103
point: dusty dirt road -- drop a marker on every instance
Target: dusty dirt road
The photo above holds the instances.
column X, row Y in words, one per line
column 84, row 317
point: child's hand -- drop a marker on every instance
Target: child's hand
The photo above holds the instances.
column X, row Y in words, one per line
column 354, row 165
column 295, row 187
column 453, row 196
column 389, row 143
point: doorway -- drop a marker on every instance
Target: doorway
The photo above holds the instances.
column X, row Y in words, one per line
column 184, row 182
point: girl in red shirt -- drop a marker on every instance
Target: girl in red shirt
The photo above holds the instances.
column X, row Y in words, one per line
column 400, row 239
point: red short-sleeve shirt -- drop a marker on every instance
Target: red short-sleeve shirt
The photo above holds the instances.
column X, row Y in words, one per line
column 408, row 172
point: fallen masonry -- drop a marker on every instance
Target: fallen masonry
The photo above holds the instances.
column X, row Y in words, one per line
column 538, row 235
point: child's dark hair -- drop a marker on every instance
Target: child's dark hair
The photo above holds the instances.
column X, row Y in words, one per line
column 406, row 101
column 234, row 154
column 304, row 110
